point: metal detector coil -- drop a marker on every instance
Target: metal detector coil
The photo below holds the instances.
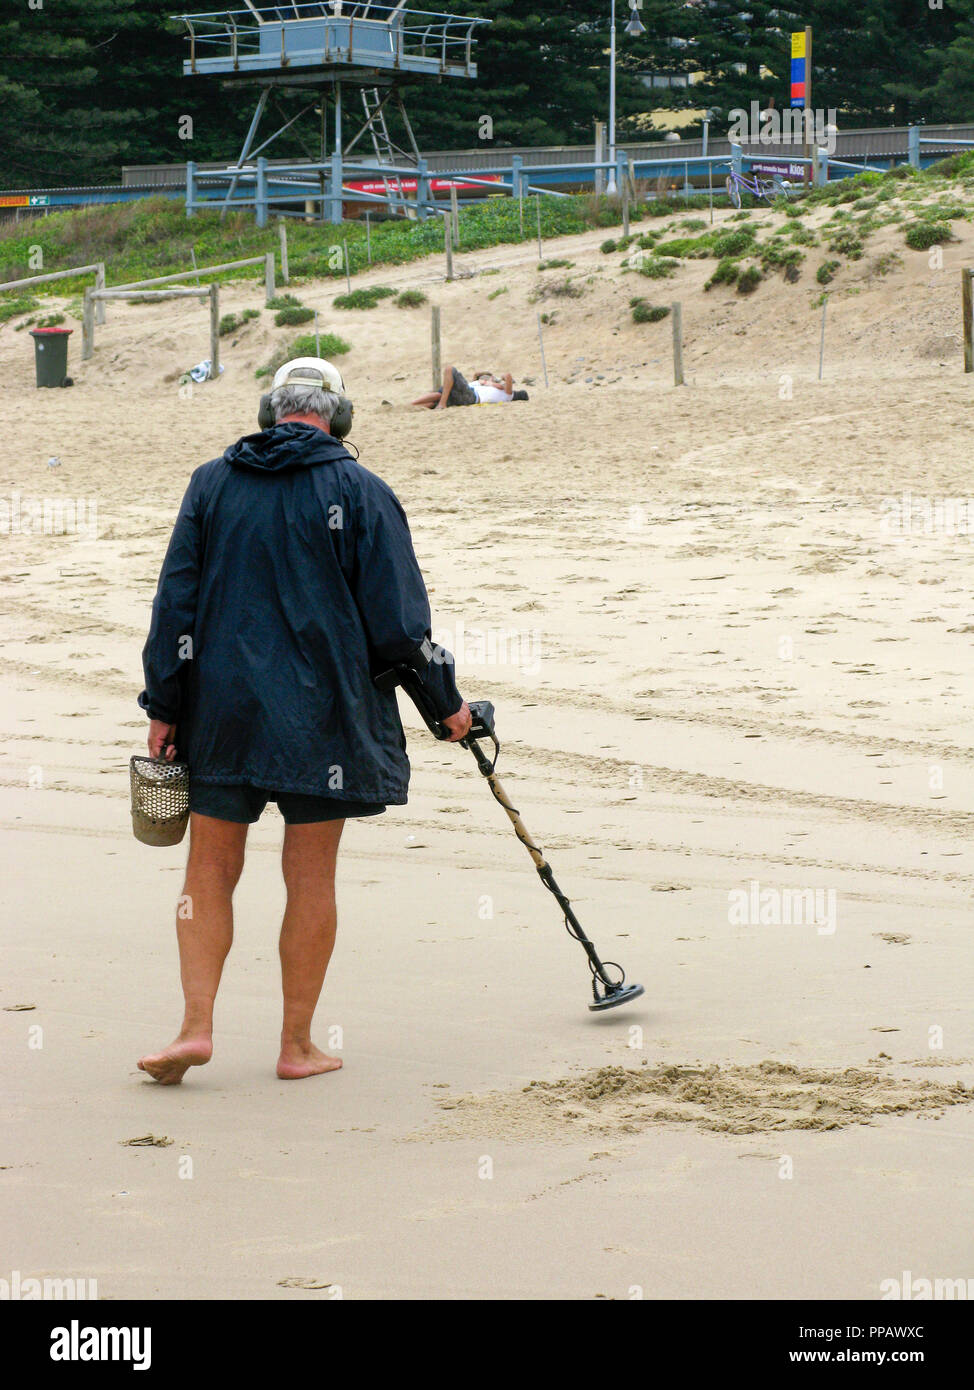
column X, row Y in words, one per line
column 608, row 993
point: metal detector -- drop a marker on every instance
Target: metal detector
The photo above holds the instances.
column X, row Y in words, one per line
column 607, row 992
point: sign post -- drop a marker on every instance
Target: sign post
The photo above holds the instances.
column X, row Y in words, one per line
column 801, row 85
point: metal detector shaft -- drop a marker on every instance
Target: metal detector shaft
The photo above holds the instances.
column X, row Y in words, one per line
column 613, row 992
column 486, row 767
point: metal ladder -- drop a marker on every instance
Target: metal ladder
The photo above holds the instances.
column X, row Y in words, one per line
column 386, row 150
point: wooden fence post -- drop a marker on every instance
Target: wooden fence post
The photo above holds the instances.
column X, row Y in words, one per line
column 677, row 311
column 435, row 343
column 448, row 247
column 100, row 285
column 282, row 230
column 269, row 277
column 967, row 301
column 87, row 327
column 215, row 329
column 454, row 214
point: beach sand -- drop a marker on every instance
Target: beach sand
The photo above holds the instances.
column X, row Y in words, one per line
column 715, row 663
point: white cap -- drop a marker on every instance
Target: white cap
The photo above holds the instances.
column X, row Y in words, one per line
column 309, row 371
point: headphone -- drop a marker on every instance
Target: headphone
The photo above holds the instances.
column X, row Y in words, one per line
column 341, row 421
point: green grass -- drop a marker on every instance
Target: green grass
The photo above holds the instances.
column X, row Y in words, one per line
column 826, row 272
column 748, row 280
column 364, row 298
column 920, row 236
column 329, row 345
column 494, row 293
column 13, row 308
column 726, row 274
column 153, row 236
column 554, row 264
column 292, row 315
column 658, row 267
column 642, row 312
column 410, row 299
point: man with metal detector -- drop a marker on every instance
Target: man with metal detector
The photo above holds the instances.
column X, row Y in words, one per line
column 290, row 582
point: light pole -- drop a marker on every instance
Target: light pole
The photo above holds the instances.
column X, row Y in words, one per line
column 634, row 28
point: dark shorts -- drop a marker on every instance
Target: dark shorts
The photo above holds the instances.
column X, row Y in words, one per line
column 461, row 392
column 245, row 804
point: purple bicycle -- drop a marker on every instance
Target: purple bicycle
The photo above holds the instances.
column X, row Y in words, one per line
column 770, row 188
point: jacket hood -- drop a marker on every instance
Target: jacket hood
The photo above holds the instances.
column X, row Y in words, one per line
column 285, row 447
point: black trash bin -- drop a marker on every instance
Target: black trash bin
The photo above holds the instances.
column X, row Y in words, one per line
column 51, row 355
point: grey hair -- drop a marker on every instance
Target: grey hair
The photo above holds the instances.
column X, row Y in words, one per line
column 292, row 399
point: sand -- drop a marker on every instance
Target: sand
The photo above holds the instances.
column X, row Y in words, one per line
column 714, row 663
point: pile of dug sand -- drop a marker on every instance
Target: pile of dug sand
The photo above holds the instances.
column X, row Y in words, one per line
column 753, row 1099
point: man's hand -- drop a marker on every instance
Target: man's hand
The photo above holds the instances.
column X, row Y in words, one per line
column 460, row 723
column 162, row 735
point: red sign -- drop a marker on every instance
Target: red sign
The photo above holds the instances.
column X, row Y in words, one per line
column 14, row 202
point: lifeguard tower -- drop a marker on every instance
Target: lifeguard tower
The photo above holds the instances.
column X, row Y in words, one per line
column 329, row 49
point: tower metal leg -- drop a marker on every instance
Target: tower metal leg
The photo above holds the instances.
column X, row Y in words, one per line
column 262, row 102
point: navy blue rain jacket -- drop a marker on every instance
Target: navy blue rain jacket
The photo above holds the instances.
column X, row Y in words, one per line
column 290, row 573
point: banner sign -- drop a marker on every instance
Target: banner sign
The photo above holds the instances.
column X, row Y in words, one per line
column 437, row 185
column 799, row 68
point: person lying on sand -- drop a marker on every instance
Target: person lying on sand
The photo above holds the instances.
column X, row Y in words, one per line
column 485, row 389
column 290, row 571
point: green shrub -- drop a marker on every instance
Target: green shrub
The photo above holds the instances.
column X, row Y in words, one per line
column 693, row 224
column 362, row 299
column 565, row 288
column 50, row 321
column 607, row 246
column 410, row 299
column 726, row 274
column 293, row 315
column 647, row 240
column 920, row 236
column 13, row 308
column 826, row 272
column 953, row 165
column 283, row 301
column 494, row 293
column 885, row 263
column 847, row 243
column 748, row 280
column 328, row 345
column 555, row 264
column 229, row 324
column 647, row 313
column 249, row 314
column 658, row 267
column 775, row 254
column 737, row 243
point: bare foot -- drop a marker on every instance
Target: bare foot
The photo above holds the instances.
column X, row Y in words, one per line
column 298, row 1060
column 170, row 1066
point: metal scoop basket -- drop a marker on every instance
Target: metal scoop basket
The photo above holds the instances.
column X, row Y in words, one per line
column 160, row 800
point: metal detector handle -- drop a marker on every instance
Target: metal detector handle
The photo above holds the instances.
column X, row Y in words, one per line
column 406, row 676
column 481, row 711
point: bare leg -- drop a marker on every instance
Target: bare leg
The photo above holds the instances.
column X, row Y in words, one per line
column 307, row 939
column 429, row 400
column 216, row 856
column 447, row 388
